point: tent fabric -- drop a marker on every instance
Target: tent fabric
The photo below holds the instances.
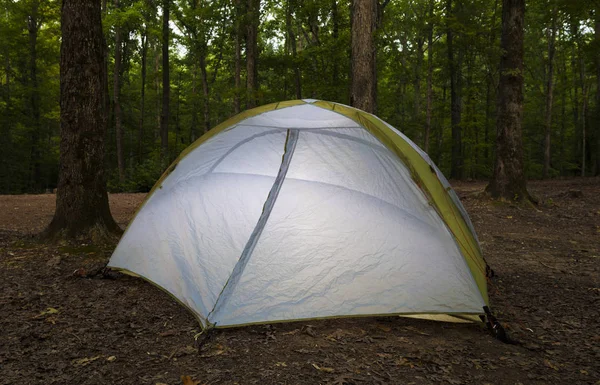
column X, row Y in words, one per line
column 303, row 210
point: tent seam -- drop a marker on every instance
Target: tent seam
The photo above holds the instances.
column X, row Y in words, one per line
column 290, row 146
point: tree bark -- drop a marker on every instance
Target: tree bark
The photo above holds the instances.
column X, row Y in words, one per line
column 549, row 97
column 456, row 170
column 363, row 90
column 335, row 34
column 238, row 57
column 177, row 105
column 508, row 181
column 292, row 45
column 429, row 78
column 205, row 88
column 194, row 124
column 6, row 128
column 574, row 34
column 597, row 39
column 143, row 95
column 82, row 208
column 583, row 128
column 253, row 17
column 34, row 98
column 117, row 102
column 166, row 87
column 417, row 85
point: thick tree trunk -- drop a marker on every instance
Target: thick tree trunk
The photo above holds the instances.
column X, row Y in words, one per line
column 82, row 202
column 429, row 78
column 363, row 90
column 508, row 181
column 166, row 87
column 456, row 169
column 238, row 57
column 117, row 102
column 253, row 17
column 34, row 97
column 549, row 98
column 143, row 95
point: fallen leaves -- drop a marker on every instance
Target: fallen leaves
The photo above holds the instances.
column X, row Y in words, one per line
column 47, row 312
column 323, row 368
column 84, row 361
column 550, row 365
column 187, row 380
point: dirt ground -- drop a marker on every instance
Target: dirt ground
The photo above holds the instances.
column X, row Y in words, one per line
column 59, row 329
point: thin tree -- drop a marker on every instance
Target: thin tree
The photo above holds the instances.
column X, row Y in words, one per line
column 549, row 95
column 82, row 202
column 33, row 26
column 164, row 117
column 117, row 101
column 429, row 76
column 252, row 21
column 456, row 169
column 144, row 54
column 508, row 180
column 238, row 56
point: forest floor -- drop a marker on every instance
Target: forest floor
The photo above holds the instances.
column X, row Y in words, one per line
column 56, row 328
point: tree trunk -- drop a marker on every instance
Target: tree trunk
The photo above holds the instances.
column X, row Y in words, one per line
column 177, row 123
column 252, row 21
column 490, row 87
column 164, row 118
column 363, row 90
column 563, row 113
column 429, row 77
column 335, row 34
column 238, row 57
column 292, row 44
column 34, row 97
column 508, row 181
column 117, row 103
column 82, row 202
column 597, row 39
column 143, row 95
column 549, row 97
column 574, row 33
column 417, row 86
column 205, row 88
column 583, row 128
column 456, row 170
column 6, row 129
column 194, row 125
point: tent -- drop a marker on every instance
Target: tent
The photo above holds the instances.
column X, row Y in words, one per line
column 306, row 209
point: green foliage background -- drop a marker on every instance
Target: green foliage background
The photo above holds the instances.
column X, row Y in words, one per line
column 202, row 28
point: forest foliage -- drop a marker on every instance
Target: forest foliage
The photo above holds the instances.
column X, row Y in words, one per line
column 303, row 51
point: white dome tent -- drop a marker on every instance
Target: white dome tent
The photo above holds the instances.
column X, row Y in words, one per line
column 302, row 210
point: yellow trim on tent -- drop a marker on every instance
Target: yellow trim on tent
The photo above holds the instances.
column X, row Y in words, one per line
column 426, row 178
column 211, row 133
